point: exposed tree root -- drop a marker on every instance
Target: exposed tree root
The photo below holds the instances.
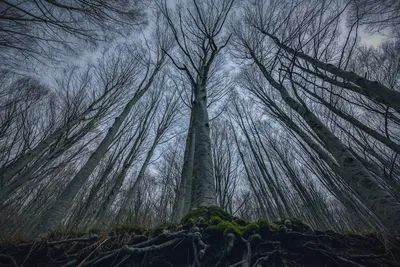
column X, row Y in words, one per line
column 200, row 248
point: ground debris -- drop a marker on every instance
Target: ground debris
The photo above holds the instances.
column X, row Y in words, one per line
column 202, row 245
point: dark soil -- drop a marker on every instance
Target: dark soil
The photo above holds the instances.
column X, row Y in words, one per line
column 198, row 247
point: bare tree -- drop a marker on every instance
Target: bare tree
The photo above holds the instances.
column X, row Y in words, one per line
column 151, row 69
column 251, row 45
column 198, row 30
column 43, row 30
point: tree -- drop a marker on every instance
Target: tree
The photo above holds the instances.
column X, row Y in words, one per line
column 60, row 207
column 251, row 42
column 43, row 30
column 198, row 30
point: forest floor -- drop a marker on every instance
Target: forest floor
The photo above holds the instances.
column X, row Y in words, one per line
column 208, row 237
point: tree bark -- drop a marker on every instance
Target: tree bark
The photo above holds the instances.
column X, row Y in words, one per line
column 203, row 188
column 61, row 206
column 371, row 89
column 358, row 178
column 182, row 205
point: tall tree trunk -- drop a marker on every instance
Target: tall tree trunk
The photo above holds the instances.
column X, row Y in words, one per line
column 9, row 171
column 36, row 162
column 182, row 205
column 384, row 140
column 203, row 188
column 120, row 179
column 61, row 206
column 134, row 188
column 358, row 178
column 371, row 89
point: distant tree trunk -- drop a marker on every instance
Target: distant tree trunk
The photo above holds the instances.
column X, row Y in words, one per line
column 183, row 199
column 384, row 140
column 130, row 196
column 141, row 132
column 371, row 89
column 358, row 178
column 35, row 161
column 61, row 206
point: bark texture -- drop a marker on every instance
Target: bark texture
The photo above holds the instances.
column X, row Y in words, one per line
column 63, row 202
column 379, row 200
column 203, row 177
column 371, row 89
column 183, row 200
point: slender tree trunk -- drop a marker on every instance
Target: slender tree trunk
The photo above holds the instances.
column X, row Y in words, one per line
column 371, row 89
column 358, row 178
column 61, row 206
column 134, row 188
column 259, row 199
column 384, row 140
column 203, row 188
column 36, row 162
column 120, row 179
column 182, row 204
column 9, row 171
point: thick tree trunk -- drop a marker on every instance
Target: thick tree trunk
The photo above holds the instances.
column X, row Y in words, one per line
column 358, row 178
column 182, row 205
column 203, row 188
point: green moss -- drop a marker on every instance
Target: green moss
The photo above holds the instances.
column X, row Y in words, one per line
column 202, row 222
column 226, row 227
column 157, row 230
column 330, row 231
column 215, row 220
column 250, row 229
column 265, row 226
column 232, row 229
column 206, row 213
column 292, row 219
column 221, row 227
column 240, row 221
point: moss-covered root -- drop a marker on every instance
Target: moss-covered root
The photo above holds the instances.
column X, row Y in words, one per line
column 229, row 243
column 199, row 248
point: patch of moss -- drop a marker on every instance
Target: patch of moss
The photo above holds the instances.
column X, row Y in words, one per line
column 215, row 220
column 240, row 221
column 292, row 219
column 220, row 227
column 127, row 227
column 157, row 230
column 226, row 227
column 265, row 226
column 330, row 232
column 206, row 213
column 250, row 229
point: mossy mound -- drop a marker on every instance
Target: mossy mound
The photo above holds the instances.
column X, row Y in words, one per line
column 292, row 219
column 215, row 220
column 206, row 213
column 205, row 239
